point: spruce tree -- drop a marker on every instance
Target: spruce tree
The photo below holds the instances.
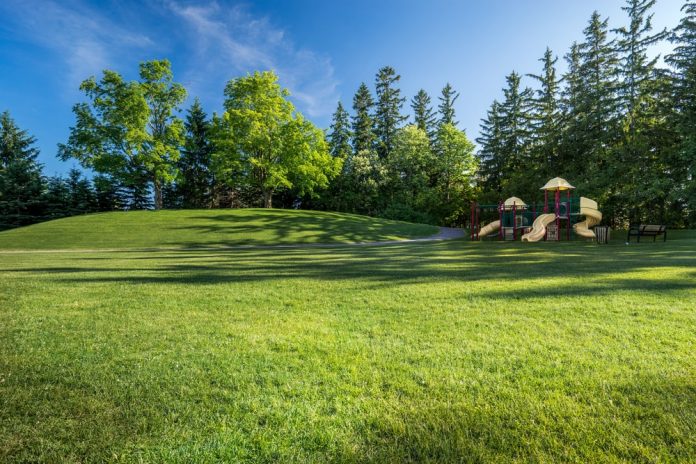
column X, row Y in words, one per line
column 388, row 118
column 638, row 99
column 21, row 183
column 515, row 130
column 81, row 195
column 683, row 60
column 597, row 128
column 195, row 180
column 446, row 106
column 490, row 152
column 108, row 193
column 363, row 124
column 339, row 137
column 545, row 121
column 423, row 115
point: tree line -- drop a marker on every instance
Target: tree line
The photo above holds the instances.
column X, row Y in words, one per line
column 618, row 124
column 621, row 126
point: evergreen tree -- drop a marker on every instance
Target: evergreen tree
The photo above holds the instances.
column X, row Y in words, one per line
column 56, row 198
column 108, row 193
column 363, row 124
column 423, row 115
column 388, row 118
column 639, row 102
column 446, row 106
column 21, row 183
column 195, row 180
column 515, row 129
column 81, row 195
column 596, row 118
column 545, row 121
column 339, row 137
column 683, row 60
column 490, row 159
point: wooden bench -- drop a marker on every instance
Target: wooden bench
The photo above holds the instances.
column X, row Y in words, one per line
column 647, row 230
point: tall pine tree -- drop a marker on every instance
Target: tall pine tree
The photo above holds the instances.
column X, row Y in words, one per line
column 363, row 124
column 446, row 106
column 195, row 180
column 21, row 183
column 423, row 115
column 339, row 137
column 388, row 117
column 683, row 60
column 545, row 123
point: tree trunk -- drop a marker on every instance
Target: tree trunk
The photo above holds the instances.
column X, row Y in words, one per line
column 158, row 193
column 268, row 199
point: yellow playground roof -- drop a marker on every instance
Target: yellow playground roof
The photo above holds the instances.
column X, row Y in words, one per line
column 514, row 201
column 557, row 183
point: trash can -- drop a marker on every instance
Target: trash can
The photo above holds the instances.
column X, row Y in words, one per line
column 602, row 234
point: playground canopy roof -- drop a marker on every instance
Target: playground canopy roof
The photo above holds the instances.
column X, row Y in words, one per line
column 516, row 202
column 557, row 183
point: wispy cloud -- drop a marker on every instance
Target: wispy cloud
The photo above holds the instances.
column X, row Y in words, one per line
column 230, row 41
column 209, row 43
column 85, row 40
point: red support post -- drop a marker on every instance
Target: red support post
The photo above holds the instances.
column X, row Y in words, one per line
column 558, row 210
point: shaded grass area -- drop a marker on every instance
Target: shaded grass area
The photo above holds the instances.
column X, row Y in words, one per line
column 208, row 228
column 439, row 352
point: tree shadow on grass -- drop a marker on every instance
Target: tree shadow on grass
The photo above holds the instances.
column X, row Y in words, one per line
column 375, row 267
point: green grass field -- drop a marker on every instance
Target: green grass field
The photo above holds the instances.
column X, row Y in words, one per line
column 417, row 352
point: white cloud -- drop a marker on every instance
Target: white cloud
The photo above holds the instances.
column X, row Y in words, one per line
column 86, row 40
column 209, row 43
column 229, row 41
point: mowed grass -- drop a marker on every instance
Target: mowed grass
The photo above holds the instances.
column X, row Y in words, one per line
column 207, row 228
column 421, row 352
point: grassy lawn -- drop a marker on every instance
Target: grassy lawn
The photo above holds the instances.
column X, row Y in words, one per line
column 207, row 228
column 443, row 352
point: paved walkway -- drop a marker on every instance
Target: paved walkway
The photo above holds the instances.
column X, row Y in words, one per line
column 445, row 233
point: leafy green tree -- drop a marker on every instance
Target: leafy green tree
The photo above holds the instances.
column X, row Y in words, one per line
column 446, row 106
column 457, row 166
column 409, row 166
column 365, row 176
column 195, row 180
column 262, row 140
column 388, row 117
column 423, row 115
column 21, row 183
column 363, row 123
column 128, row 129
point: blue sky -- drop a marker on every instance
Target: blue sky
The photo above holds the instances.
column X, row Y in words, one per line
column 321, row 49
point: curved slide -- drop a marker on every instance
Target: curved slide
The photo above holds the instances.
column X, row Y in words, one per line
column 539, row 228
column 489, row 228
column 593, row 216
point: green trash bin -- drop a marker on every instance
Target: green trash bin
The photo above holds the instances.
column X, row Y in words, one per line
column 602, row 234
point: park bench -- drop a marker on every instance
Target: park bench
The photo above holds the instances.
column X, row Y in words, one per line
column 647, row 230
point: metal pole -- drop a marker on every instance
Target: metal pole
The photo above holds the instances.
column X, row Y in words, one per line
column 514, row 221
column 558, row 210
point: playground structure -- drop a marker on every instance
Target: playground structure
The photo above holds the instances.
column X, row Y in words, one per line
column 547, row 221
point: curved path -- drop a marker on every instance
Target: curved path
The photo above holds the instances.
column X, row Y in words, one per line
column 445, row 233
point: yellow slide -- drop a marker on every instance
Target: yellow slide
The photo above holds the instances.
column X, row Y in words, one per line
column 593, row 216
column 539, row 228
column 489, row 228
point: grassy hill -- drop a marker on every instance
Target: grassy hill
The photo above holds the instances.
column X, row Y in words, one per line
column 190, row 228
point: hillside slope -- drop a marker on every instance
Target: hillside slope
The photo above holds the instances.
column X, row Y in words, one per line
column 192, row 228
